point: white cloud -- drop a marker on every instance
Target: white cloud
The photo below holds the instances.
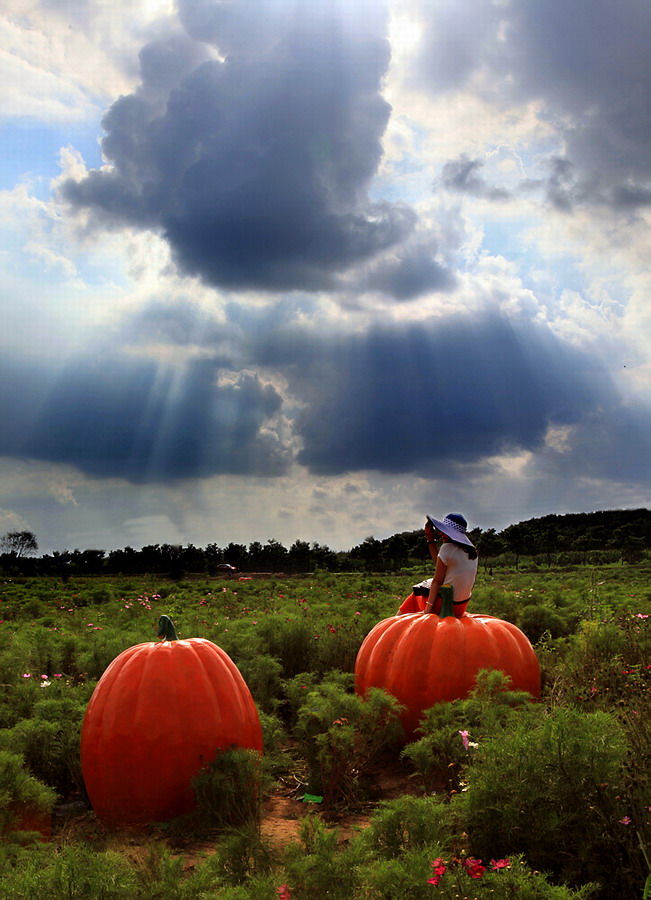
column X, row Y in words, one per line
column 63, row 61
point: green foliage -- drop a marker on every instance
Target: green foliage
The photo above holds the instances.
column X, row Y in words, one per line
column 410, row 823
column 291, row 642
column 537, row 620
column 604, row 665
column 320, row 867
column 295, row 640
column 20, row 791
column 158, row 874
column 342, row 737
column 440, row 756
column 296, row 691
column 74, row 872
column 562, row 770
column 262, row 675
column 49, row 741
column 229, row 790
column 404, row 877
column 243, row 854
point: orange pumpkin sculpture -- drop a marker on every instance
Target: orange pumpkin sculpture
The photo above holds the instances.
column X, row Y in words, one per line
column 159, row 713
column 424, row 658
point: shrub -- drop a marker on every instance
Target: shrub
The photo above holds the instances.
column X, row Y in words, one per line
column 101, row 595
column 229, row 789
column 296, row 691
column 74, row 871
column 342, row 736
column 451, row 730
column 242, row 854
column 337, row 646
column 49, row 742
column 274, row 740
column 291, row 642
column 536, row 620
column 320, row 867
column 409, row 823
column 404, row 877
column 262, row 675
column 562, row 771
column 20, row 792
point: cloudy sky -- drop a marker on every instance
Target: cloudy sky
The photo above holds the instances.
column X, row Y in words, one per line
column 315, row 268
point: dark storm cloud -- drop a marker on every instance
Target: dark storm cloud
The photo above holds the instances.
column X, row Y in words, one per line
column 136, row 420
column 586, row 63
column 402, row 399
column 425, row 398
column 411, row 274
column 256, row 170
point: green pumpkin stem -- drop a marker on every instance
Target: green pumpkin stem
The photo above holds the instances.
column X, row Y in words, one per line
column 166, row 629
column 446, row 593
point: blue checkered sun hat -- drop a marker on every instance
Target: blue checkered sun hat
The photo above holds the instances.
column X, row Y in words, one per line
column 454, row 526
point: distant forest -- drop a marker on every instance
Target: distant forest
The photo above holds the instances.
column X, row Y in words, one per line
column 605, row 537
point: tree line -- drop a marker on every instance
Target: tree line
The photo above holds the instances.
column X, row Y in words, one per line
column 571, row 539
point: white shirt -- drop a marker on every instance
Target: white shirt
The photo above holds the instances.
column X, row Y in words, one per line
column 461, row 571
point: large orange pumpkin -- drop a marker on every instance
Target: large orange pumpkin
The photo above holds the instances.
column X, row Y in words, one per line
column 159, row 713
column 424, row 658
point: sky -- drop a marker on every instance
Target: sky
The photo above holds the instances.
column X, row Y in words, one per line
column 316, row 268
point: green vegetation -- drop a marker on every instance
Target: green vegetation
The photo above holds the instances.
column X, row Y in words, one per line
column 559, row 789
column 577, row 539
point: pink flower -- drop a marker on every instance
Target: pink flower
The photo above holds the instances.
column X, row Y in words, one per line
column 439, row 866
column 435, row 880
column 464, row 738
column 626, row 820
column 474, row 867
column 284, row 892
column 44, row 677
column 26, row 675
column 497, row 864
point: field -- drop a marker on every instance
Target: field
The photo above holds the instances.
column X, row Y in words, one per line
column 499, row 797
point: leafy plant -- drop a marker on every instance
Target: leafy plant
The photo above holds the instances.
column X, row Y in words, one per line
column 409, row 823
column 451, row 730
column 562, row 770
column 23, row 798
column 342, row 737
column 229, row 790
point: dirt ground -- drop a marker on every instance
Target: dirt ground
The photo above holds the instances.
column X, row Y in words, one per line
column 282, row 813
column 283, row 810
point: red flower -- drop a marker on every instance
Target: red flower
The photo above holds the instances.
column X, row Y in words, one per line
column 474, row 867
column 435, row 880
column 439, row 866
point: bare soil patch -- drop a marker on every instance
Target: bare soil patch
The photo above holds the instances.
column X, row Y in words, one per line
column 282, row 814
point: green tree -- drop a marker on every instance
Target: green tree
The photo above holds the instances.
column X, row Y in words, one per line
column 300, row 556
column 489, row 544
